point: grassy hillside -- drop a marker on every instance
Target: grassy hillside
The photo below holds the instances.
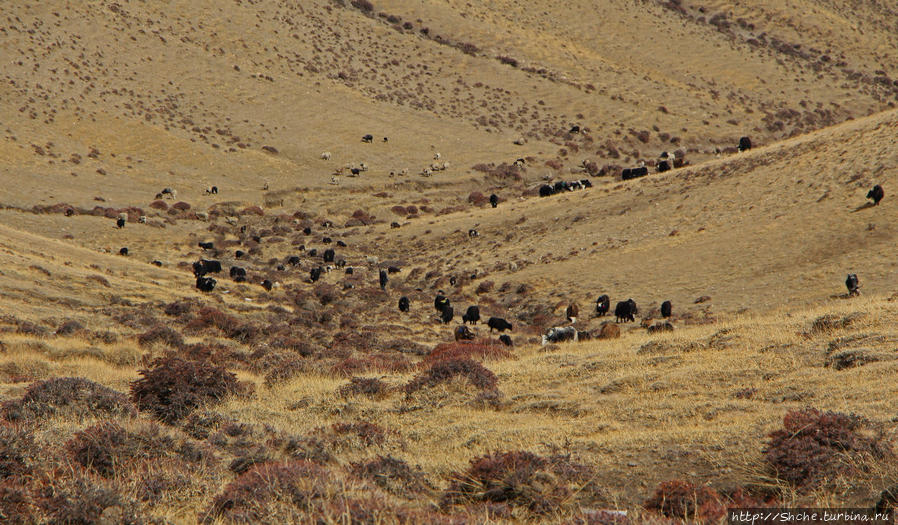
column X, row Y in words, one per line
column 321, row 400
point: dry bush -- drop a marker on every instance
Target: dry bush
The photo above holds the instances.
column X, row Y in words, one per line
column 683, row 500
column 16, row 503
column 161, row 333
column 67, row 395
column 271, row 491
column 69, row 327
column 308, row 449
column 365, row 386
column 180, row 308
column 391, row 363
column 480, row 349
column 393, row 475
column 174, row 387
column 442, row 371
column 83, row 500
column 229, row 325
column 248, row 459
column 366, row 432
column 107, row 448
column 19, row 452
column 814, row 446
column 542, row 485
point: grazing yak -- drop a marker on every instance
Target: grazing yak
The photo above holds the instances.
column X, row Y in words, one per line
column 383, row 279
column 545, row 190
column 876, row 194
column 572, row 312
column 666, row 309
column 625, row 311
column 403, row 304
column 157, row 262
column 560, row 334
column 494, row 200
column 205, row 284
column 393, row 269
column 207, row 245
column 497, row 323
column 663, row 166
column 239, row 253
column 574, row 129
column 472, row 315
column 293, row 260
column 853, row 285
column 505, row 339
column 440, row 301
column 368, row 138
column 328, row 255
column 204, row 266
column 473, row 233
column 315, row 274
column 603, row 304
column 349, row 271
column 744, row 144
column 123, row 251
column 267, row 285
column 463, row 333
column 120, row 222
column 238, row 274
column 446, row 314
column 633, row 173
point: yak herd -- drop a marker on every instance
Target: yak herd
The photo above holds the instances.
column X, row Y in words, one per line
column 624, row 311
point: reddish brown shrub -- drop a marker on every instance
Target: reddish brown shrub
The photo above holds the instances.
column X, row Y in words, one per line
column 484, row 287
column 369, row 433
column 180, row 206
column 230, row 326
column 159, row 205
column 82, row 501
column 477, row 199
column 376, row 362
column 18, row 453
column 160, row 333
column 807, row 450
column 68, row 395
column 16, row 505
column 106, row 447
column 179, row 308
column 482, row 349
column 364, row 386
column 683, row 500
column 543, row 485
column 252, row 210
column 394, row 475
column 308, row 448
column 402, row 211
column 174, row 387
column 298, row 483
column 69, row 327
column 442, row 371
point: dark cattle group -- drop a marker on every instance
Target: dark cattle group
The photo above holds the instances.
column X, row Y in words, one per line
column 205, row 284
column 547, row 190
column 204, row 266
column 238, row 274
column 634, row 173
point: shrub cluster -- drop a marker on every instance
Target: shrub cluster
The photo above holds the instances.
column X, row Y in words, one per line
column 445, row 370
column 67, row 395
column 808, row 449
column 173, row 387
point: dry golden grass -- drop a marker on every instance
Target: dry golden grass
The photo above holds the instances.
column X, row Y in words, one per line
column 107, row 105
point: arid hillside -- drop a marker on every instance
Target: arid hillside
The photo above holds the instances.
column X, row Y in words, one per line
column 353, row 147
